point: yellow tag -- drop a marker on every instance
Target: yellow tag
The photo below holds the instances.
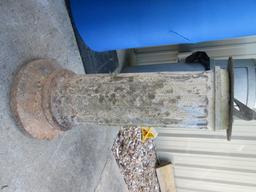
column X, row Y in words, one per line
column 148, row 133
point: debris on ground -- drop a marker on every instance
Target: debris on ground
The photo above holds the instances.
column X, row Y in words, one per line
column 136, row 160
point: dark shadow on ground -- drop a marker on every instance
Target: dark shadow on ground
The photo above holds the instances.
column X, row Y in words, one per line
column 94, row 62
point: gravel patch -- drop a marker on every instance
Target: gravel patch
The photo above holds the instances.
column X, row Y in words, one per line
column 136, row 160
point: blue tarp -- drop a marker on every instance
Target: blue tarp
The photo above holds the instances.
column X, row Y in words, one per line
column 118, row 24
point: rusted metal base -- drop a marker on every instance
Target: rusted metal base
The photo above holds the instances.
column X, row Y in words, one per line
column 29, row 98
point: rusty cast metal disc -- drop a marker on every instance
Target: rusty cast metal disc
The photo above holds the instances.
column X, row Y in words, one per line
column 28, row 102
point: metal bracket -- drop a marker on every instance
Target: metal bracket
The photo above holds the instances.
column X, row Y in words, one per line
column 231, row 94
column 243, row 112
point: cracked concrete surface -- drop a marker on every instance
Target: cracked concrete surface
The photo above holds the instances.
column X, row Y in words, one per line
column 77, row 161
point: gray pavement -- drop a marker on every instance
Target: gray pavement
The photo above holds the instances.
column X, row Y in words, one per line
column 77, row 161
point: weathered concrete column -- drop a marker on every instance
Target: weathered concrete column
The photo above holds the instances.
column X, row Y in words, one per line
column 47, row 99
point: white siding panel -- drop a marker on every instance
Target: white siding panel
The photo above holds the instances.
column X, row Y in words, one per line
column 157, row 58
column 193, row 185
column 240, row 48
column 218, row 175
column 205, row 161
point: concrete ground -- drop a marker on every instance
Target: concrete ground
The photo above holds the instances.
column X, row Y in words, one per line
column 80, row 160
